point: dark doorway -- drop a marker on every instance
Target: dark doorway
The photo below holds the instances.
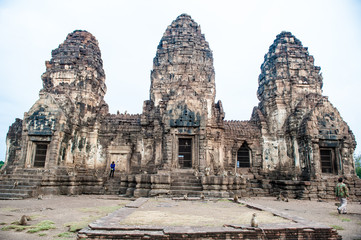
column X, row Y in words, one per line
column 328, row 161
column 243, row 160
column 40, row 154
column 185, row 152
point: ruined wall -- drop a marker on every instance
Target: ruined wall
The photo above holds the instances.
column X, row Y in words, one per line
column 13, row 143
column 237, row 133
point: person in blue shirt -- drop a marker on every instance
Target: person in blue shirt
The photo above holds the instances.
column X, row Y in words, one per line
column 112, row 169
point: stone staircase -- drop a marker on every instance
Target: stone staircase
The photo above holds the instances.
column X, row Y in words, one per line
column 20, row 184
column 185, row 183
column 257, row 188
column 112, row 185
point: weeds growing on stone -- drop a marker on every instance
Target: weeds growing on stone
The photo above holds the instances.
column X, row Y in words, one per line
column 346, row 220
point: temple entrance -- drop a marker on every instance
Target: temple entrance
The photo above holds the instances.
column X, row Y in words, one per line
column 185, row 152
column 40, row 154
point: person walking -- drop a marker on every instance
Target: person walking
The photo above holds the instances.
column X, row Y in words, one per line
column 112, row 169
column 342, row 195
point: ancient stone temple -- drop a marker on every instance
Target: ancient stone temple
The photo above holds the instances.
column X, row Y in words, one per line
column 295, row 142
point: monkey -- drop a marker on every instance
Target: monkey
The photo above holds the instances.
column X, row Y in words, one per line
column 185, row 197
column 202, row 196
column 279, row 197
column 235, row 198
column 282, row 197
column 24, row 220
column 40, row 197
column 15, row 184
column 254, row 222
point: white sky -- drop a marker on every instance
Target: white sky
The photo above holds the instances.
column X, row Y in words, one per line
column 238, row 32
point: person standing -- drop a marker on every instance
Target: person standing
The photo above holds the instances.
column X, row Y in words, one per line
column 342, row 195
column 112, row 169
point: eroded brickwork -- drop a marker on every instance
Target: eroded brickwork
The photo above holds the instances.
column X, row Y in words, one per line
column 294, row 134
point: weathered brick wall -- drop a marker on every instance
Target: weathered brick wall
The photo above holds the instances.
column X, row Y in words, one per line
column 250, row 233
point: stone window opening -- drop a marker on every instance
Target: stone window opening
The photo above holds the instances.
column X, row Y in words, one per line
column 328, row 160
column 243, row 156
column 40, row 154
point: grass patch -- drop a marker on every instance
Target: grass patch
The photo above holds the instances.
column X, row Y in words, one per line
column 41, row 226
column 35, row 217
column 346, row 220
column 65, row 235
column 42, row 234
column 101, row 209
column 15, row 227
column 76, row 226
column 9, row 209
column 3, row 223
column 337, row 227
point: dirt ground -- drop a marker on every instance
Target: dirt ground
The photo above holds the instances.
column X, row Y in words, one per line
column 69, row 213
column 348, row 225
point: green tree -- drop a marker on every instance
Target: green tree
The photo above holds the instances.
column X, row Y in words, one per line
column 358, row 165
column 1, row 164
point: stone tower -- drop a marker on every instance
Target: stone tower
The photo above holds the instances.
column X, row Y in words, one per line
column 75, row 73
column 290, row 91
column 62, row 126
column 183, row 92
column 183, row 68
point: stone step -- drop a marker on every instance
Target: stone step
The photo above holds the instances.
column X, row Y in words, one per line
column 16, row 191
column 112, row 192
column 182, row 175
column 21, row 176
column 24, row 187
column 181, row 193
column 186, row 184
column 190, row 188
column 13, row 196
column 28, row 172
column 195, row 181
column 20, row 181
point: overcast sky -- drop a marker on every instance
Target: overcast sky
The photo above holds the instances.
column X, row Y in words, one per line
column 239, row 34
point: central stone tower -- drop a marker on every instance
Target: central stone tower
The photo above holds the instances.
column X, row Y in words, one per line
column 183, row 92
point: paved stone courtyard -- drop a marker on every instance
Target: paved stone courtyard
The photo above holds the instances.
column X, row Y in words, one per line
column 193, row 212
column 88, row 209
